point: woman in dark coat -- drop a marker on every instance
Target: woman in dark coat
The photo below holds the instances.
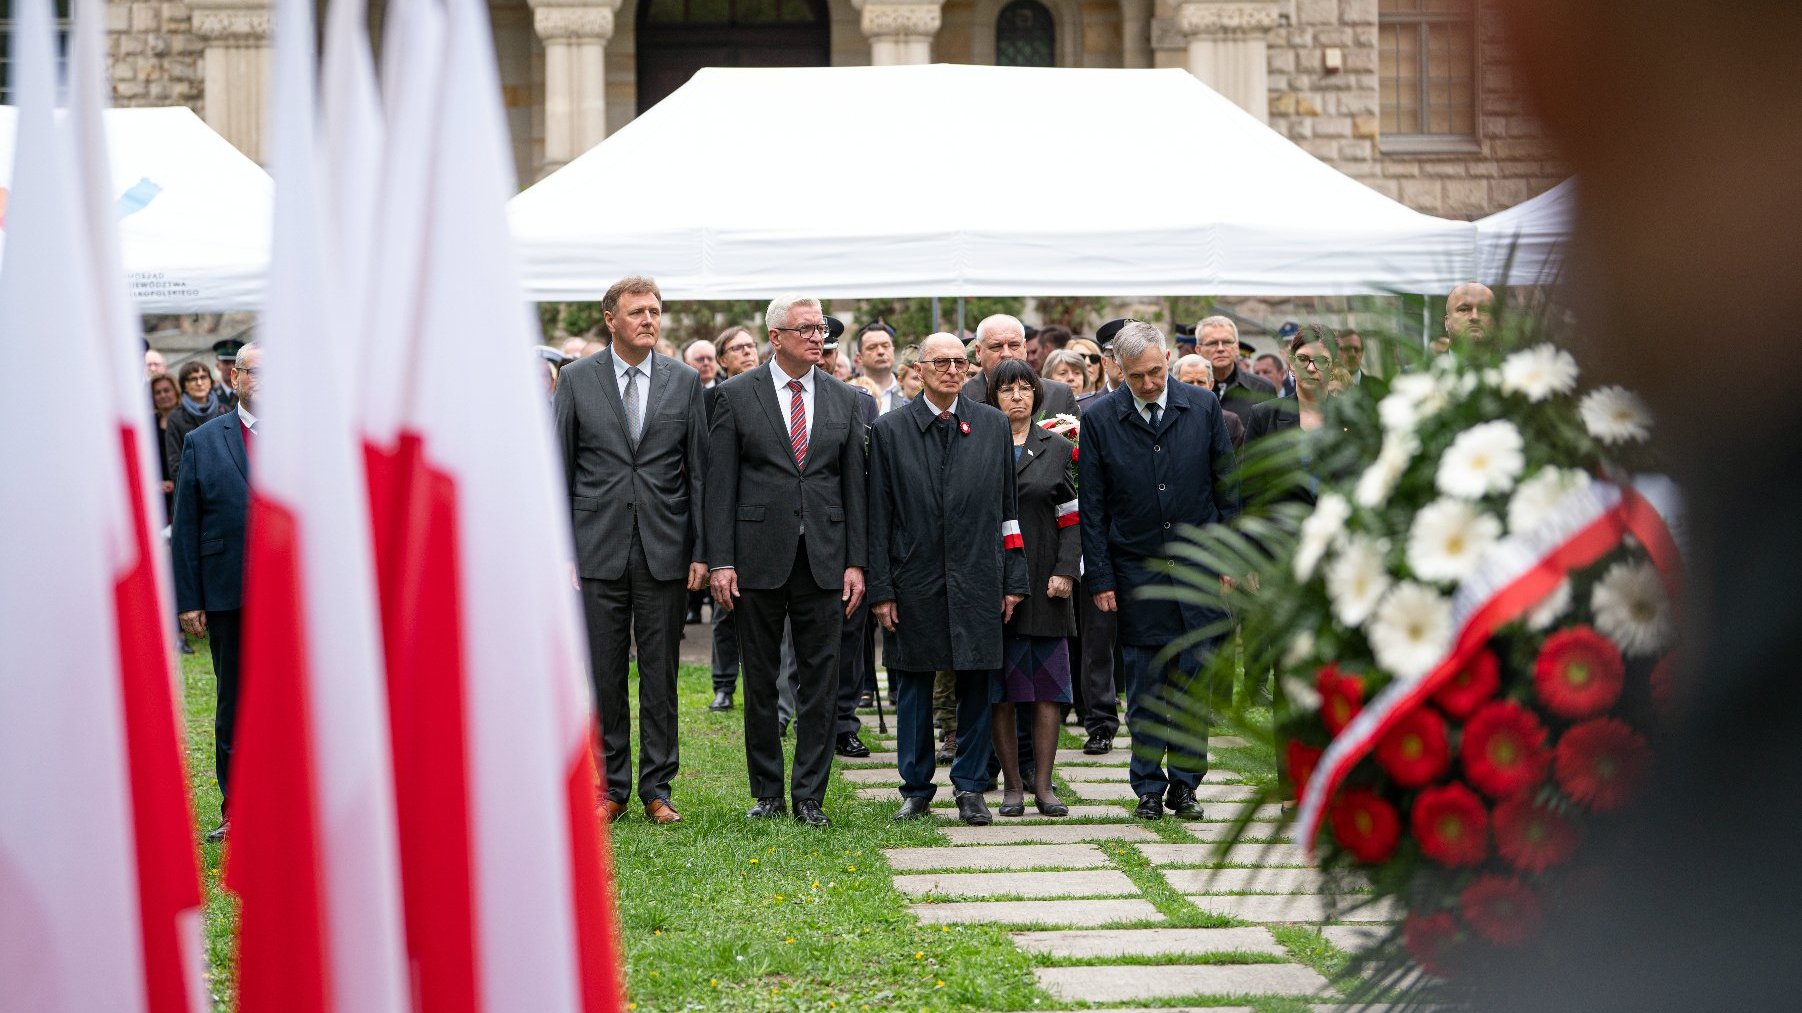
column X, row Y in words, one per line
column 1035, row 646
column 200, row 403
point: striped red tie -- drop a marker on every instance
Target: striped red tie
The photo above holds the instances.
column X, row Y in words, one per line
column 797, row 423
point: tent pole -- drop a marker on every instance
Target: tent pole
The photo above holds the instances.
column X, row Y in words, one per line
column 960, row 317
column 935, row 315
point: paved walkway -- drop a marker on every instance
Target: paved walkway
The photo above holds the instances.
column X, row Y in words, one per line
column 1117, row 911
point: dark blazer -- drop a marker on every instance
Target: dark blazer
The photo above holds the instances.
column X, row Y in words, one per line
column 1272, row 416
column 1374, row 387
column 939, row 522
column 611, row 484
column 1243, row 389
column 758, row 499
column 181, row 423
column 1045, row 484
column 212, row 500
column 1138, row 488
column 1058, row 399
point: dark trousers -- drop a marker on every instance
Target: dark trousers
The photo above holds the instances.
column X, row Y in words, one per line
column 636, row 607
column 223, row 630
column 815, row 616
column 725, row 652
column 913, row 731
column 853, row 671
column 1146, row 686
column 1100, row 713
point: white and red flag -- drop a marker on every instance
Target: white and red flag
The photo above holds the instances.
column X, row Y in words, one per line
column 98, row 882
column 313, row 851
column 508, row 891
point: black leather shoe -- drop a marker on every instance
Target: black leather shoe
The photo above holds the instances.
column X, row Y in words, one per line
column 693, row 617
column 722, row 701
column 809, row 812
column 947, row 751
column 767, row 808
column 850, row 745
column 220, row 833
column 973, row 810
column 866, row 701
column 913, row 809
column 1098, row 744
column 1007, row 808
column 1151, row 807
column 1182, row 804
column 1048, row 805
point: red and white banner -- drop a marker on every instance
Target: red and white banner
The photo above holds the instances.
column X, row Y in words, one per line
column 1516, row 575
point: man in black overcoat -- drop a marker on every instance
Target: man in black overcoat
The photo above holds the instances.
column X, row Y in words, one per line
column 1155, row 457
column 947, row 568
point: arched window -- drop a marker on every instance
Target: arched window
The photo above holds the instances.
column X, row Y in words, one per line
column 1024, row 36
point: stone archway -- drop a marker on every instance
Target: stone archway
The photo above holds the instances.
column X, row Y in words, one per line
column 675, row 38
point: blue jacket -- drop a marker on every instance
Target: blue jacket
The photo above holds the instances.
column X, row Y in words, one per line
column 1138, row 488
column 212, row 499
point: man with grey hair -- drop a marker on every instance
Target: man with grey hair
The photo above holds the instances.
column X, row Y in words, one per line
column 1155, row 457
column 999, row 337
column 1217, row 337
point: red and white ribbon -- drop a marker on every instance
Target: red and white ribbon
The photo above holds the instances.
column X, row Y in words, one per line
column 1066, row 514
column 1010, row 536
column 1516, row 575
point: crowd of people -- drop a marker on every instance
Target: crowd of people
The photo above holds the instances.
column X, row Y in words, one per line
column 823, row 492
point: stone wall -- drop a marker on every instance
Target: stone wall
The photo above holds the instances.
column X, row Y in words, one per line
column 156, row 58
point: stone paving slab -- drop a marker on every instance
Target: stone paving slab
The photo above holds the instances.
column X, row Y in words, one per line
column 1127, row 983
column 1191, row 1009
column 1038, row 856
column 944, row 797
column 1226, row 740
column 1121, row 773
column 1291, row 908
column 948, row 814
column 1148, row 942
column 1086, row 883
column 1037, row 912
column 1245, row 880
column 1354, row 938
column 1244, row 854
column 889, row 775
column 1221, row 829
column 1054, row 833
column 1122, row 791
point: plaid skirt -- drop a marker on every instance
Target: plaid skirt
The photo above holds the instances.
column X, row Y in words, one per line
column 1034, row 669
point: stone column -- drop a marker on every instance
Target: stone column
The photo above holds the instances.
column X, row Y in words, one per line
column 1135, row 33
column 236, row 68
column 575, row 35
column 1228, row 48
column 899, row 33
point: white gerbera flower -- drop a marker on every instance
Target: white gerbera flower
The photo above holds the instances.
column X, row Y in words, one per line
column 1541, row 617
column 1303, row 697
column 1448, row 539
column 1301, row 649
column 1412, row 397
column 1325, row 524
column 1357, row 578
column 1616, row 415
column 1411, row 630
column 1483, row 459
column 1631, row 609
column 1536, row 498
column 1539, row 372
column 1378, row 480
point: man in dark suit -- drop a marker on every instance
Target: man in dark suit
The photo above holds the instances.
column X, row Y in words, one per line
column 947, row 568
column 785, row 525
column 1001, row 337
column 633, row 429
column 1155, row 457
column 1238, row 389
column 212, row 499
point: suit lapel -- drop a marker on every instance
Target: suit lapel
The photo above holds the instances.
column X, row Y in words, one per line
column 1034, row 449
column 825, row 408
column 764, row 388
column 235, row 444
column 610, row 389
column 661, row 374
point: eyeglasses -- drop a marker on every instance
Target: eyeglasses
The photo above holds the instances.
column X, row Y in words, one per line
column 946, row 364
column 1091, row 358
column 1310, row 362
column 1221, row 343
column 248, row 370
column 809, row 331
column 197, row 378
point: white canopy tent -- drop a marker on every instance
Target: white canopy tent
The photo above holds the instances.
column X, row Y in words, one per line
column 850, row 182
column 194, row 212
column 1524, row 245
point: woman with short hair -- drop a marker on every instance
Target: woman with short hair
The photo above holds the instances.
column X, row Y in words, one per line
column 199, row 404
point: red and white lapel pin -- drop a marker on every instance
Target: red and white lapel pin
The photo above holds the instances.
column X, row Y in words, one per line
column 964, row 427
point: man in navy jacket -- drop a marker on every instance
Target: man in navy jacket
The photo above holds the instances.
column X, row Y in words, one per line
column 1155, row 457
column 212, row 499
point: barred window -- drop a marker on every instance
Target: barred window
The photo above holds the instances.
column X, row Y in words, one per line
column 1025, row 36
column 1428, row 73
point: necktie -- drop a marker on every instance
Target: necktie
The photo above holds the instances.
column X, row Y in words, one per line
column 1156, row 411
column 634, row 410
column 797, row 423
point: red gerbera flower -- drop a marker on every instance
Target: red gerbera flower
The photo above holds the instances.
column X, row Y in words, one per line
column 1600, row 762
column 1414, row 751
column 1531, row 836
column 1365, row 825
column 1341, row 697
column 1472, row 687
column 1301, row 759
column 1433, row 941
column 1578, row 673
column 1504, row 750
column 1452, row 826
column 1500, row 910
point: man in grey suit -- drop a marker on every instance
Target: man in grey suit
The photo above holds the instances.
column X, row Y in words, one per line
column 633, row 427
column 1001, row 337
column 785, row 535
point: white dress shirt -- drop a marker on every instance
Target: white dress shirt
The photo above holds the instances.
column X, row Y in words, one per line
column 249, row 420
column 1163, row 403
column 644, row 386
column 783, row 394
column 886, row 398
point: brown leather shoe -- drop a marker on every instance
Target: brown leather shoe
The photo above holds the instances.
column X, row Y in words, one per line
column 658, row 810
column 614, row 810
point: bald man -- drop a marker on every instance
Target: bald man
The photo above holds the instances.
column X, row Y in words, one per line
column 1469, row 314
